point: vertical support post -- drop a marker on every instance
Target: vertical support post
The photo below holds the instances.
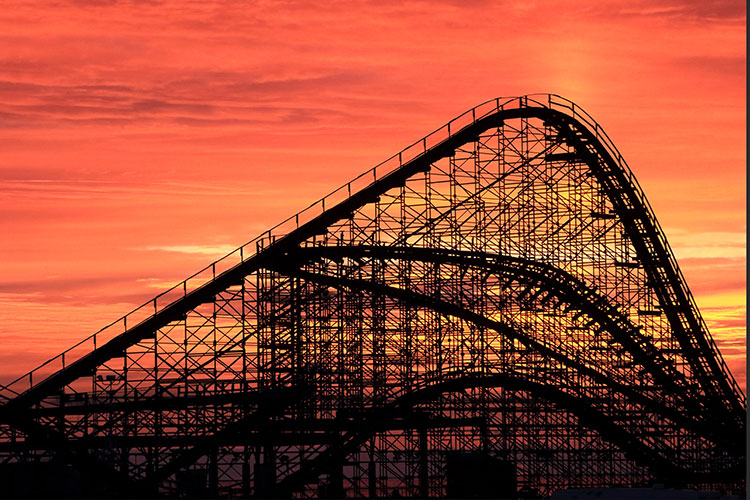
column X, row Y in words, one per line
column 424, row 487
column 265, row 473
column 371, row 477
column 213, row 473
column 125, row 461
column 336, row 478
column 246, row 472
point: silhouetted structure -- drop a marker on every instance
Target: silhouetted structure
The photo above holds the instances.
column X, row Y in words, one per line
column 496, row 300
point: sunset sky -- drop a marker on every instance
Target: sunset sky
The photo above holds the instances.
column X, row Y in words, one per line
column 140, row 140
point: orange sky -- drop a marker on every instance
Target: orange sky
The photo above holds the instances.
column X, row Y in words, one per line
column 139, row 140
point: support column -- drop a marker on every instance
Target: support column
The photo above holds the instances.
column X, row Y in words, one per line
column 424, row 488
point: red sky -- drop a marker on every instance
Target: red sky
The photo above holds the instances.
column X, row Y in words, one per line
column 139, row 140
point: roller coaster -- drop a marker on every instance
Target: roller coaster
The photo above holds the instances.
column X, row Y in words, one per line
column 492, row 312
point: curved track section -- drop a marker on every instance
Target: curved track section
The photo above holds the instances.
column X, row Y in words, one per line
column 499, row 291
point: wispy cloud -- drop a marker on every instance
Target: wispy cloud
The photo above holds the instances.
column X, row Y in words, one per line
column 708, row 245
column 208, row 250
column 687, row 9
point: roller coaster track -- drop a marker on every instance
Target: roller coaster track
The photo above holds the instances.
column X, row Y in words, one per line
column 504, row 269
